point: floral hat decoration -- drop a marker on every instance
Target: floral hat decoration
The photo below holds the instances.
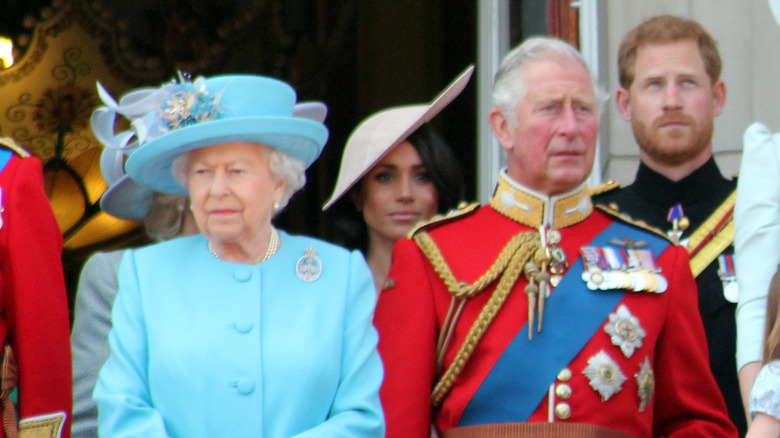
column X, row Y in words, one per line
column 376, row 136
column 155, row 113
column 183, row 115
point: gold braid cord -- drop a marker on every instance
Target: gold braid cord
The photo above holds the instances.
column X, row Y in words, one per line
column 462, row 289
column 519, row 250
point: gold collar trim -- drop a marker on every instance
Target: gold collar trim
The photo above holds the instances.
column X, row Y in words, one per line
column 534, row 209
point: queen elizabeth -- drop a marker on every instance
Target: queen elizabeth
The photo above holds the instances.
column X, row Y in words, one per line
column 243, row 330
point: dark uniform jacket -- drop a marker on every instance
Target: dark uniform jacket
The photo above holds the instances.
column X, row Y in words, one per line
column 649, row 199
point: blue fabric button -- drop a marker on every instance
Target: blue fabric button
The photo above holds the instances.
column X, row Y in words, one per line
column 245, row 386
column 243, row 326
column 242, row 274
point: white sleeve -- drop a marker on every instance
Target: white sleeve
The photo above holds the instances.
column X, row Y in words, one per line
column 756, row 236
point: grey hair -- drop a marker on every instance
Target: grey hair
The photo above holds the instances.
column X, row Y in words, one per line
column 165, row 218
column 282, row 166
column 510, row 86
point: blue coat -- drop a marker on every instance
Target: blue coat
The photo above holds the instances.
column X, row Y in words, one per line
column 206, row 348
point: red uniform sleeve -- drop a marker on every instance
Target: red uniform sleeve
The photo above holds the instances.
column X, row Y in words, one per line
column 406, row 321
column 688, row 402
column 35, row 301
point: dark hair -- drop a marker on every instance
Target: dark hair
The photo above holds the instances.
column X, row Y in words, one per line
column 437, row 157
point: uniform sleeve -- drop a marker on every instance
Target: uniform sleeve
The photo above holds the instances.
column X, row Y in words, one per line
column 89, row 337
column 687, row 400
column 122, row 392
column 356, row 410
column 756, row 236
column 36, row 304
column 406, row 321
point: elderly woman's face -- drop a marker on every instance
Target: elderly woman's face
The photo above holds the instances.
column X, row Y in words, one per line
column 232, row 191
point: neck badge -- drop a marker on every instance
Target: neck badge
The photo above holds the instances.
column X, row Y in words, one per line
column 679, row 222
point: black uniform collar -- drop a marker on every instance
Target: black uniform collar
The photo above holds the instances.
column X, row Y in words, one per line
column 657, row 188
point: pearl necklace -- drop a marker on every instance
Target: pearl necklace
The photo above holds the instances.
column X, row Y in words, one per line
column 273, row 246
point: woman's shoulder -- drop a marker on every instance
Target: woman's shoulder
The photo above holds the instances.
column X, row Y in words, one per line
column 297, row 241
column 102, row 259
column 170, row 248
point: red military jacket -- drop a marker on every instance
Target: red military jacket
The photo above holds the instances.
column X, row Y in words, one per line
column 663, row 386
column 34, row 319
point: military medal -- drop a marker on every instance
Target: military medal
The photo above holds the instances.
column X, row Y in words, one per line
column 728, row 277
column 680, row 223
column 309, row 266
column 624, row 330
column 604, row 375
column 645, row 380
column 632, row 269
column 595, row 267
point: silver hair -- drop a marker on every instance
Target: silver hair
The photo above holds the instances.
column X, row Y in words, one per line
column 510, row 86
column 165, row 218
column 282, row 166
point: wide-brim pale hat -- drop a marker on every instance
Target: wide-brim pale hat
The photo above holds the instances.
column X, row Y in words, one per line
column 376, row 136
column 125, row 198
column 220, row 109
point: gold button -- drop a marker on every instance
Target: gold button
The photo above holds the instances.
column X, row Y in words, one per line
column 564, row 375
column 563, row 391
column 562, row 411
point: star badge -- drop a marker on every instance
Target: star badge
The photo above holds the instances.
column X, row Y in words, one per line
column 625, row 331
column 604, row 375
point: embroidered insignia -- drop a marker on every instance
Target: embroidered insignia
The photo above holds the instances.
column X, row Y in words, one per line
column 508, row 201
column 646, row 382
column 628, row 242
column 309, row 266
column 582, row 207
column 604, row 375
column 725, row 271
column 625, row 331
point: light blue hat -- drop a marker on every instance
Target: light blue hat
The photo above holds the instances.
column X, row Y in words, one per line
column 202, row 118
column 190, row 115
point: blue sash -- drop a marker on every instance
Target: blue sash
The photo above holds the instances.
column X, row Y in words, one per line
column 522, row 376
column 5, row 157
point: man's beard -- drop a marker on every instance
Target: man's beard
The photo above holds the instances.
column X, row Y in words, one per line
column 673, row 147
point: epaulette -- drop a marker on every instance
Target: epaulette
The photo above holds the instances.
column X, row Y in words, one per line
column 461, row 210
column 623, row 217
column 603, row 188
column 11, row 145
